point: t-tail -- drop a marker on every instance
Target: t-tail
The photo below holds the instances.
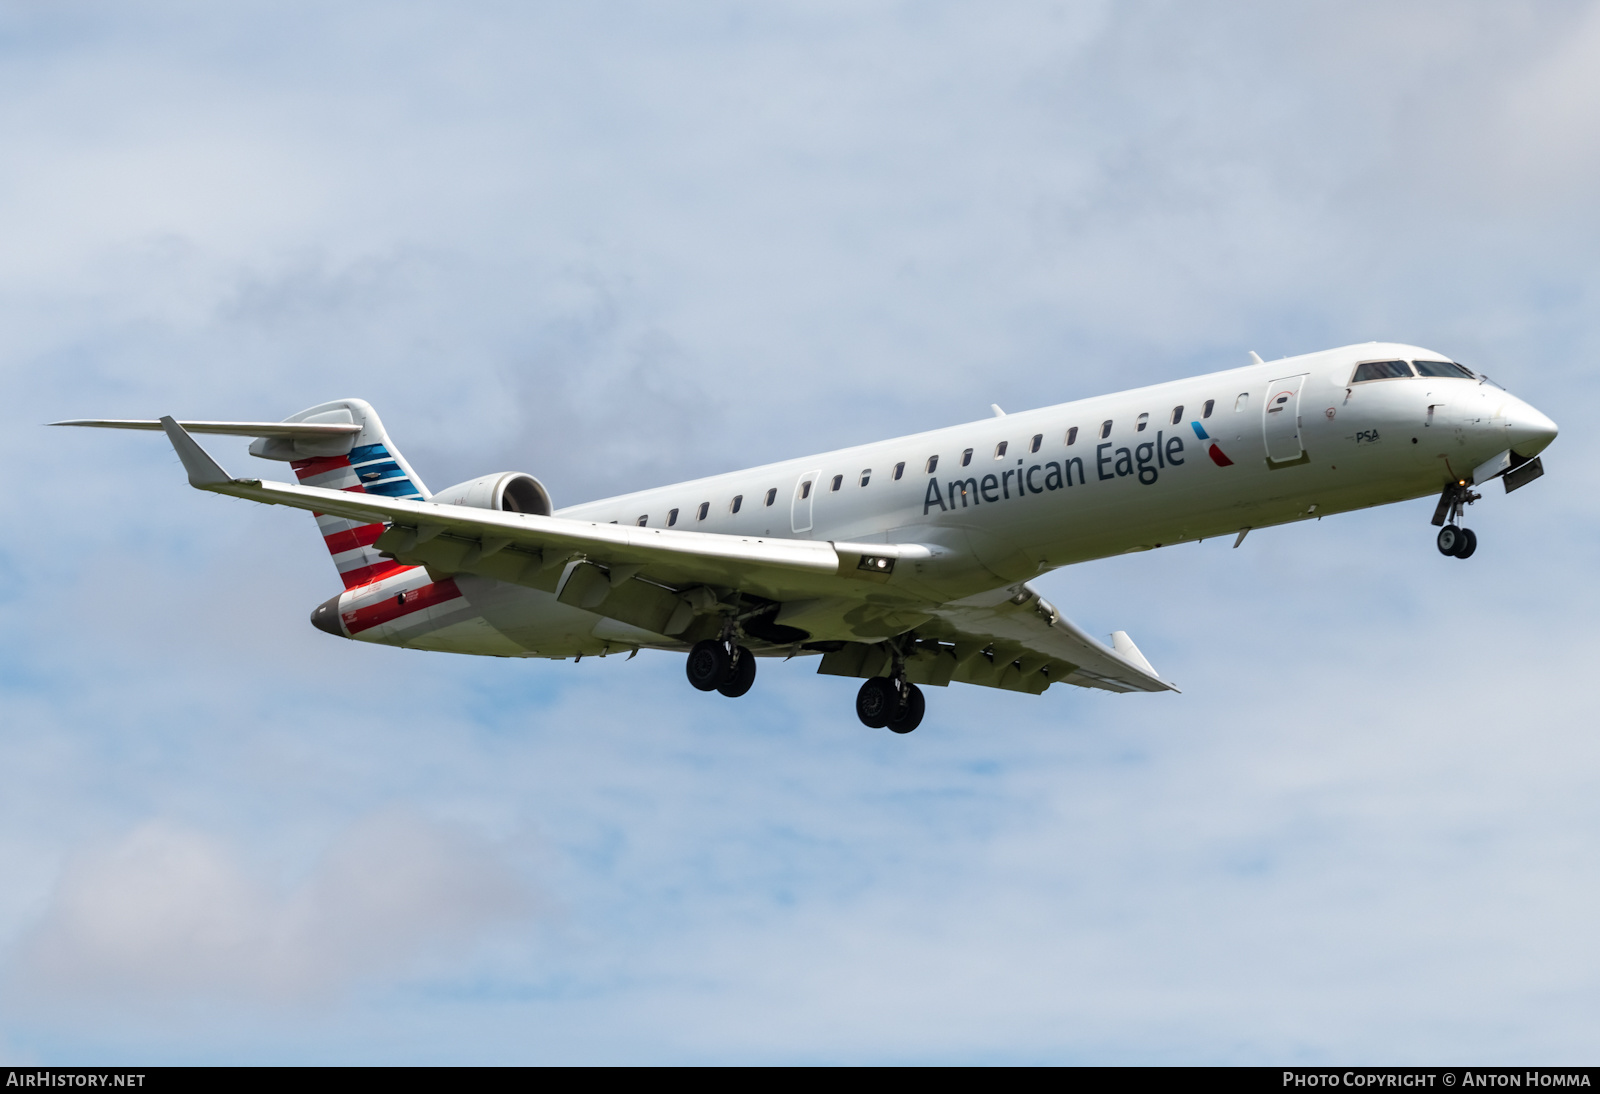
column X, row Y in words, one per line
column 365, row 462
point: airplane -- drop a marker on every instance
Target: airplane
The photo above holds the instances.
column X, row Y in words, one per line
column 906, row 562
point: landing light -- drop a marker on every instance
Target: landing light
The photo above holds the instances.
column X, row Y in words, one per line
column 878, row 564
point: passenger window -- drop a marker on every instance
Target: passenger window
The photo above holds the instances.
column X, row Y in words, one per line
column 1144, row 420
column 866, row 476
column 1000, row 450
column 738, row 500
column 1446, row 369
column 1177, row 414
column 705, row 508
column 1381, row 370
column 772, row 495
column 1038, row 439
column 1241, row 402
column 1105, row 429
column 933, row 463
column 672, row 518
column 838, row 481
column 966, row 457
column 1072, row 436
column 899, row 469
column 1205, row 411
column 644, row 520
column 805, row 490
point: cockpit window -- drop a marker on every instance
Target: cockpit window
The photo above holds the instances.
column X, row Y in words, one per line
column 1448, row 369
column 1381, row 370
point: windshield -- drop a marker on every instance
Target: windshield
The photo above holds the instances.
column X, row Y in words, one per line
column 1447, row 369
column 1381, row 370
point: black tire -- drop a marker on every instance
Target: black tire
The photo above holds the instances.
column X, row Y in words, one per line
column 1449, row 540
column 911, row 714
column 1469, row 543
column 742, row 676
column 708, row 665
column 877, row 702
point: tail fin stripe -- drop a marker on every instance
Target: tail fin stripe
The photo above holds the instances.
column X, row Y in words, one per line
column 305, row 469
column 396, row 488
column 371, row 472
column 336, row 479
column 351, row 538
column 390, row 608
column 363, row 575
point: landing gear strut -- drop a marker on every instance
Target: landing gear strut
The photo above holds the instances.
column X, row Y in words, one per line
column 1453, row 540
column 723, row 666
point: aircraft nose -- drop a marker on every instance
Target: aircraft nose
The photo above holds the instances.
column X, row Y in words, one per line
column 1528, row 431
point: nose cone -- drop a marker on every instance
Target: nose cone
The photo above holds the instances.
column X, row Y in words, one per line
column 325, row 617
column 1528, row 432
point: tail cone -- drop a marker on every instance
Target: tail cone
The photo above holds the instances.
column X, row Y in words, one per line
column 325, row 617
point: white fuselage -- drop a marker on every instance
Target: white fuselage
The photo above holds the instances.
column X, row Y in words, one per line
column 1011, row 496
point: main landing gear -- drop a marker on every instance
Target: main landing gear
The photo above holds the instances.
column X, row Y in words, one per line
column 721, row 666
column 891, row 700
column 883, row 701
column 1454, row 540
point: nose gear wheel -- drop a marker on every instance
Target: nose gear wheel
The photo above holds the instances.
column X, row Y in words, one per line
column 1454, row 540
column 1457, row 542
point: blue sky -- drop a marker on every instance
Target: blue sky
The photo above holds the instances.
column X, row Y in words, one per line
column 619, row 245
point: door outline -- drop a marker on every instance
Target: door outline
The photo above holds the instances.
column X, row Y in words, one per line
column 1280, row 420
column 805, row 494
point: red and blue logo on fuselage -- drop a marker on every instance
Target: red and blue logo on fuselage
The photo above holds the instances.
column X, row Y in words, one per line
column 1218, row 457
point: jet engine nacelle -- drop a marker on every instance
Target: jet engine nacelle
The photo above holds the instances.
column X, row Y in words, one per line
column 508, row 491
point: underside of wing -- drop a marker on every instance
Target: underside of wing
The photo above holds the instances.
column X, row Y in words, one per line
column 1008, row 638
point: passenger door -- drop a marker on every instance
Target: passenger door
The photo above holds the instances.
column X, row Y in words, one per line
column 805, row 492
column 1281, row 420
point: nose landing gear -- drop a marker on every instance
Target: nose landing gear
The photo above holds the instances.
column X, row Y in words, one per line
column 1453, row 540
column 1457, row 542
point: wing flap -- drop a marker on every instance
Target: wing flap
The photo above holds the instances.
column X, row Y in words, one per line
column 1017, row 640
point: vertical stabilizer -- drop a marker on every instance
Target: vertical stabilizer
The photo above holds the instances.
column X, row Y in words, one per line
column 365, row 463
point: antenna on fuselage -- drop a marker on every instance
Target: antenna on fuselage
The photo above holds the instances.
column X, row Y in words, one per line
column 1255, row 358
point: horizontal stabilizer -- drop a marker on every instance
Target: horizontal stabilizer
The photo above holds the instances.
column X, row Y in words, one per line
column 303, row 430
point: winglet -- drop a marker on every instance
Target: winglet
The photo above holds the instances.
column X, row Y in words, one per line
column 1130, row 653
column 203, row 470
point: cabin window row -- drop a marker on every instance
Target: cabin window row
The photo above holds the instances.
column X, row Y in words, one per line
column 1035, row 443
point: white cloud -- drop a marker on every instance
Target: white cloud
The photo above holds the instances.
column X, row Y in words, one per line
column 168, row 913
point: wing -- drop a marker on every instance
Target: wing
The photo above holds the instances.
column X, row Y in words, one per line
column 534, row 550
column 1008, row 638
